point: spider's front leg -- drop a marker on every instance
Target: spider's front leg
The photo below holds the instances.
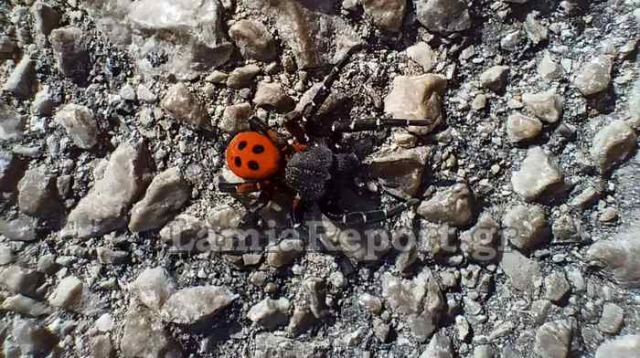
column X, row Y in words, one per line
column 369, row 217
column 369, row 124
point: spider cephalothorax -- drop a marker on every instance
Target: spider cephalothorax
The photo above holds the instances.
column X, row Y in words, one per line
column 313, row 171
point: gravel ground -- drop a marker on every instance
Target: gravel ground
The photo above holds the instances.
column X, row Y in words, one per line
column 519, row 230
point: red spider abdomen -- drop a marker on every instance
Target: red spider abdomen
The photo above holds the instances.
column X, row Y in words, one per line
column 252, row 155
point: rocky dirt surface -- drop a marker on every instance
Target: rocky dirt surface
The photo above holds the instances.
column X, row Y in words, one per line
column 115, row 114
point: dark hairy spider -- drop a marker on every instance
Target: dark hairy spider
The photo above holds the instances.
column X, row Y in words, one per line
column 312, row 170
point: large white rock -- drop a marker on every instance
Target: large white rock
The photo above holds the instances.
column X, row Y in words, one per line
column 620, row 347
column 538, row 175
column 417, row 98
column 194, row 304
column 613, row 144
column 105, row 208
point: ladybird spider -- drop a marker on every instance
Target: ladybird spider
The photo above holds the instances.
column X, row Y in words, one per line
column 309, row 169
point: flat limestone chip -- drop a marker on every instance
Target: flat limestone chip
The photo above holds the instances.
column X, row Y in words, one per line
column 453, row 205
column 417, row 98
column 26, row 306
column 80, row 125
column 538, row 175
column 104, row 208
column 594, row 76
column 154, row 287
column 67, row 294
column 144, row 335
column 253, row 40
column 401, row 169
column 270, row 313
column 443, row 15
column 620, row 347
column 521, row 128
column 194, row 304
column 386, row 14
column 521, row 271
column 495, row 78
column 422, row 54
column 553, row 339
column 547, row 106
column 20, row 280
column 22, row 81
column 526, row 227
column 619, row 256
column 613, row 144
column 185, row 107
column 166, row 195
column 612, row 318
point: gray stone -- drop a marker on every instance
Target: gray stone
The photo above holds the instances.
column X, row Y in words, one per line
column 10, row 171
column 270, row 313
column 80, row 125
column 269, row 345
column 22, row 81
column 594, row 75
column 547, row 105
column 198, row 42
column 521, row 128
column 372, row 303
column 495, row 78
column 443, row 15
column 620, row 347
column 43, row 103
column 553, row 340
column 482, row 242
column 399, row 169
column 619, row 257
column 386, row 14
column 556, row 287
column 22, row 228
column 6, row 255
column 526, row 227
column 7, row 47
column 236, row 118
column 417, row 98
column 253, row 40
column 453, row 206
column 153, row 287
column 419, row 301
column 68, row 293
column 185, row 107
column 484, row 351
column 612, row 145
column 107, row 256
column 30, row 339
column 102, row 347
column 127, row 92
column 242, row 77
column 284, row 253
column 634, row 105
column 195, row 304
column 548, row 68
column 25, row 306
column 521, row 271
column 272, row 95
column 11, row 124
column 143, row 335
column 166, row 195
column 70, row 50
column 104, row 208
column 183, row 233
column 422, row 54
column 538, row 176
column 37, row 193
column 439, row 347
column 311, row 30
column 145, row 95
column 612, row 319
column 21, row 280
column 46, row 17
column 536, row 32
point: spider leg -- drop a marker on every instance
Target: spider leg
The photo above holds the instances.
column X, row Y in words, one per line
column 296, row 121
column 360, row 125
column 370, row 217
column 240, row 188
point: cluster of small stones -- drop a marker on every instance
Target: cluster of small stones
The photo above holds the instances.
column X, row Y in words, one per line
column 113, row 120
